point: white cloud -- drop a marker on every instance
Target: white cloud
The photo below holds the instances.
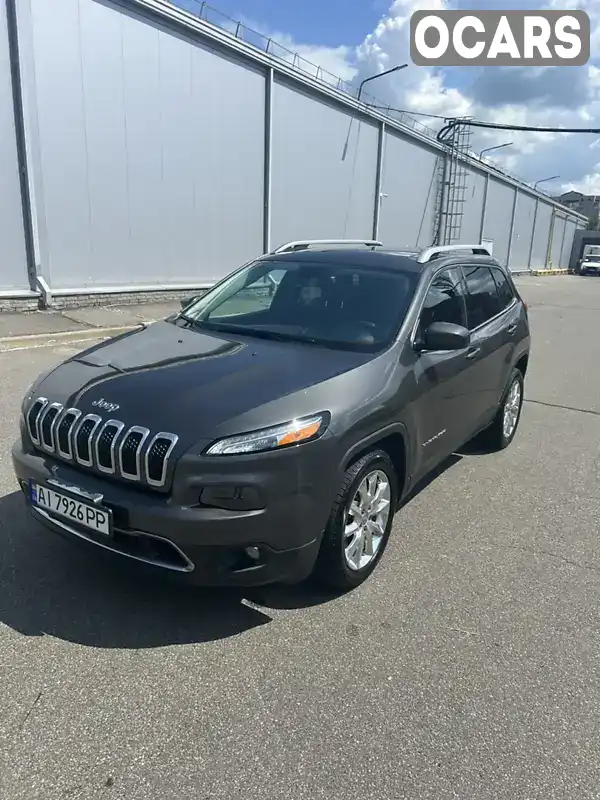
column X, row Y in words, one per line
column 568, row 97
column 328, row 63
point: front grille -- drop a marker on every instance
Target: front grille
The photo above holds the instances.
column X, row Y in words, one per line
column 108, row 447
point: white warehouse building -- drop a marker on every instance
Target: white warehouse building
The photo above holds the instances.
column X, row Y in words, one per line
column 145, row 149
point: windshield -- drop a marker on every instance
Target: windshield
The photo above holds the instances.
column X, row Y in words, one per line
column 334, row 305
column 592, row 258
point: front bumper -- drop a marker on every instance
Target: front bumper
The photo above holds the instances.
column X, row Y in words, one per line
column 203, row 545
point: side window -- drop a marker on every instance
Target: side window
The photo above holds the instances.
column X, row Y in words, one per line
column 483, row 300
column 505, row 291
column 444, row 301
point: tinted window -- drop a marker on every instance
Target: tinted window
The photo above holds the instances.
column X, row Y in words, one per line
column 349, row 306
column 483, row 301
column 505, row 292
column 444, row 301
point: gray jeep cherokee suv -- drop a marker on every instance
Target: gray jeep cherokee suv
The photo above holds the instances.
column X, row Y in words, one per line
column 271, row 429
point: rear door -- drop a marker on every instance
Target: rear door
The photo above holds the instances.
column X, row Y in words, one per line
column 493, row 314
column 442, row 408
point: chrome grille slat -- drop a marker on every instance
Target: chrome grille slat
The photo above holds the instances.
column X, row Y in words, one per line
column 171, row 440
column 133, row 453
column 95, row 420
column 117, row 427
column 33, row 421
column 143, row 434
column 64, row 427
column 46, row 436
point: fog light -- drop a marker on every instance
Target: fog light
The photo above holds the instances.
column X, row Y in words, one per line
column 253, row 553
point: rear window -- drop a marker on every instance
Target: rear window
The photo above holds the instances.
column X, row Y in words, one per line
column 505, row 290
column 483, row 298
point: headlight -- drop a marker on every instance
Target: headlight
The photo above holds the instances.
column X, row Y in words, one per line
column 33, row 387
column 290, row 433
column 28, row 395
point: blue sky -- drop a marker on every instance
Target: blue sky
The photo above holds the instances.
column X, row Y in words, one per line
column 321, row 22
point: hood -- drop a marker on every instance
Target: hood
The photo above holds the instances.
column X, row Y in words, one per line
column 164, row 377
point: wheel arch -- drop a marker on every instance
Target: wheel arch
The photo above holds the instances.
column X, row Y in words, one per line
column 393, row 440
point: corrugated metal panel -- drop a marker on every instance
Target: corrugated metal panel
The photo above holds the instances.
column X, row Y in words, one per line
column 473, row 208
column 541, row 234
column 13, row 258
column 557, row 240
column 323, row 169
column 500, row 198
column 565, row 258
column 152, row 151
column 522, row 231
column 147, row 147
column 409, row 185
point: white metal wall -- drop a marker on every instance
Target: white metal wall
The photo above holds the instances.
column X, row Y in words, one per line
column 13, row 259
column 324, row 164
column 570, row 228
column 543, row 220
column 151, row 151
column 499, row 209
column 558, row 233
column 408, row 193
column 149, row 145
column 473, row 207
column 522, row 231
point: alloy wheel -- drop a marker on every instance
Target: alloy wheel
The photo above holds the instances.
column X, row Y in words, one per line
column 512, row 406
column 366, row 519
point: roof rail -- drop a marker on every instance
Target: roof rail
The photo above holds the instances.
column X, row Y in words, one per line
column 290, row 247
column 431, row 252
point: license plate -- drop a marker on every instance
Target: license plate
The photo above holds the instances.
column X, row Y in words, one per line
column 55, row 503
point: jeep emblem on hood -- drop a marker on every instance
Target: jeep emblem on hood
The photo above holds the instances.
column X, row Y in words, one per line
column 105, row 405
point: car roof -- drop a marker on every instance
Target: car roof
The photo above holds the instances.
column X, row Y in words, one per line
column 401, row 259
column 389, row 259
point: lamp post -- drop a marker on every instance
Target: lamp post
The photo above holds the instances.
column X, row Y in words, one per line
column 543, row 180
column 360, row 88
column 379, row 75
column 496, row 147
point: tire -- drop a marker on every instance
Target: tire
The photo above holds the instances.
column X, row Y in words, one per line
column 496, row 437
column 333, row 567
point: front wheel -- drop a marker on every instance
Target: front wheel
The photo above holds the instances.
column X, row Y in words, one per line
column 360, row 522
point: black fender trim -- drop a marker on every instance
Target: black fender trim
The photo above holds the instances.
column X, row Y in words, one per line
column 372, row 439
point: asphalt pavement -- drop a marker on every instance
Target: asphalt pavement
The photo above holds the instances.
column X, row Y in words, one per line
column 467, row 666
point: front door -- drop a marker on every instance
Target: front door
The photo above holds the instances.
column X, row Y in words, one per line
column 443, row 399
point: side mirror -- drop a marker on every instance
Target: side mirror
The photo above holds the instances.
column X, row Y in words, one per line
column 446, row 336
column 187, row 301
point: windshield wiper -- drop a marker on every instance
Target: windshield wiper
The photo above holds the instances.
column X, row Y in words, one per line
column 190, row 322
column 263, row 333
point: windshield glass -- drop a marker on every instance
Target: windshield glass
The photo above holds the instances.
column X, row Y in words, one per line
column 335, row 305
column 592, row 258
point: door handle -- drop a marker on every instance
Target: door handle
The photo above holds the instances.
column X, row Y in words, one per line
column 472, row 352
column 512, row 328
